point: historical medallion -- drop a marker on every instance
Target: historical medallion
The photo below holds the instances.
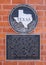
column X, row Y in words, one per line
column 23, row 18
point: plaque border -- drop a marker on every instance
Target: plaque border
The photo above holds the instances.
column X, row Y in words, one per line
column 22, row 59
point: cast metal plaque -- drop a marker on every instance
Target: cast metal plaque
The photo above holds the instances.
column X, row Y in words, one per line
column 23, row 47
column 23, row 18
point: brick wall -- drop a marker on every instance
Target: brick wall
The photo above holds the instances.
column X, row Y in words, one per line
column 5, row 28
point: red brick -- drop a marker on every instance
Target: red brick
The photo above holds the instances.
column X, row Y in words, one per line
column 40, row 7
column 4, row 12
column 18, row 1
column 0, row 63
column 30, row 63
column 0, row 6
column 2, row 58
column 0, row 18
column 41, row 19
column 1, row 41
column 42, row 35
column 1, row 29
column 41, row 47
column 5, row 1
column 5, row 18
column 4, row 24
column 33, row 6
column 9, row 30
column 45, row 18
column 4, row 41
column 41, row 41
column 39, row 25
column 40, row 13
column 38, row 30
column 22, row 63
column 39, row 63
column 44, row 41
column 44, row 24
column 45, row 59
column 41, row 57
column 44, row 30
column 2, row 47
column 45, row 2
column 10, row 63
column 1, row 53
column 43, row 52
column 45, row 13
column 45, row 63
column 8, row 7
column 44, row 47
column 35, row 1
column 45, row 36
column 2, row 35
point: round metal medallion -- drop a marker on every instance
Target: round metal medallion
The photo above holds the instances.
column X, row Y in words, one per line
column 23, row 18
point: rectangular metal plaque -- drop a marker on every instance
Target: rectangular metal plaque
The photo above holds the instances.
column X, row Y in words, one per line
column 23, row 47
